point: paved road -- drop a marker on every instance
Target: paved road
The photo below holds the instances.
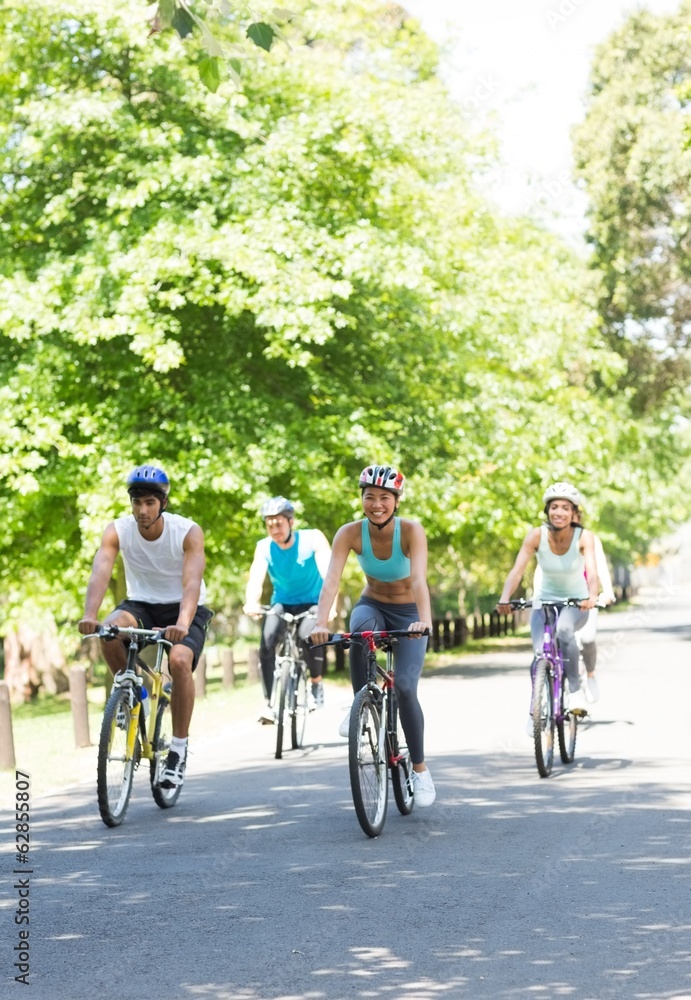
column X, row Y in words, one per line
column 260, row 885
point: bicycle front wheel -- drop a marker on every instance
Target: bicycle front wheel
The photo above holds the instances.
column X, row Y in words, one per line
column 543, row 718
column 367, row 761
column 400, row 762
column 115, row 769
column 165, row 798
column 282, row 703
column 299, row 706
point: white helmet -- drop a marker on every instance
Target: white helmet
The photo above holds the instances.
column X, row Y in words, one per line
column 563, row 491
column 383, row 476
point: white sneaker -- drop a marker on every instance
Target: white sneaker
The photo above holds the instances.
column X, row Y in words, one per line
column 344, row 728
column 577, row 703
column 424, row 792
column 267, row 717
column 592, row 692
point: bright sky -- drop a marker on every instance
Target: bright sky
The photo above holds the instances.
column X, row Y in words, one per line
column 524, row 64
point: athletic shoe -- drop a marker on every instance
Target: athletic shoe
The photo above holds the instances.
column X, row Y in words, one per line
column 592, row 692
column 424, row 792
column 344, row 728
column 577, row 703
column 268, row 716
column 174, row 771
column 317, row 695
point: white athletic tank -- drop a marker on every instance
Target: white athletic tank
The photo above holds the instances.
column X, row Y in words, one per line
column 153, row 570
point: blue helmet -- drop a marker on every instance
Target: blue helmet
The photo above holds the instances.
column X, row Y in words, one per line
column 148, row 478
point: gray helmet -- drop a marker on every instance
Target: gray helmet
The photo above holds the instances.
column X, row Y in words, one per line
column 276, row 506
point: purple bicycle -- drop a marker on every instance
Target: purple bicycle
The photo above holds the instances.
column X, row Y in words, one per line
column 549, row 692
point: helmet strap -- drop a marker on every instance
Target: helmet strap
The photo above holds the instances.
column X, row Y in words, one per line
column 387, row 521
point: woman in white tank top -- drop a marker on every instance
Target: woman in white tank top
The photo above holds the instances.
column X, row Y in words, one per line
column 565, row 553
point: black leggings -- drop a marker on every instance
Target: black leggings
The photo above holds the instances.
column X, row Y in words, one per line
column 272, row 632
column 409, row 657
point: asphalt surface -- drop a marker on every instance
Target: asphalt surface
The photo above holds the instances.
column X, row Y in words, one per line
column 260, row 885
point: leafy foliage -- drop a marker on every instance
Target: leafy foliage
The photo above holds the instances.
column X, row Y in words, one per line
column 634, row 157
column 264, row 291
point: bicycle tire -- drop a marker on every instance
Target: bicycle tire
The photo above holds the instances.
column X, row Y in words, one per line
column 114, row 771
column 401, row 762
column 367, row 763
column 567, row 731
column 299, row 706
column 282, row 702
column 165, row 798
column 543, row 718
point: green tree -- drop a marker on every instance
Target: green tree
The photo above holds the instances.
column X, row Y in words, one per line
column 265, row 290
column 634, row 158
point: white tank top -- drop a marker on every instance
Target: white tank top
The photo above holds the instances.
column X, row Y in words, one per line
column 153, row 570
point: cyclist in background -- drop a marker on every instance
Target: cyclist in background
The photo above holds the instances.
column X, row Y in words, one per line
column 164, row 563
column 392, row 551
column 296, row 562
column 586, row 635
column 565, row 553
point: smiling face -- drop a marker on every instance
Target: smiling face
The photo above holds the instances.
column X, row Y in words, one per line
column 560, row 513
column 378, row 504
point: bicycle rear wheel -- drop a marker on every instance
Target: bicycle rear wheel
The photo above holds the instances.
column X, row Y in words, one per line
column 400, row 761
column 165, row 798
column 115, row 770
column 299, row 706
column 567, row 730
column 282, row 703
column 543, row 718
column 367, row 762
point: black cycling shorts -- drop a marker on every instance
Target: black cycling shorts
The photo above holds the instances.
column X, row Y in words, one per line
column 163, row 615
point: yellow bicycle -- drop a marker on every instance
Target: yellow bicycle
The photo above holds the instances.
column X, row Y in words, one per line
column 136, row 724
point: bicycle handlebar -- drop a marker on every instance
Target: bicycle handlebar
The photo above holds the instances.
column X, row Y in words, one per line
column 569, row 602
column 378, row 638
column 109, row 632
column 287, row 616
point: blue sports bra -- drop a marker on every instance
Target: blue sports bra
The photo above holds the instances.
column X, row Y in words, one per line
column 396, row 567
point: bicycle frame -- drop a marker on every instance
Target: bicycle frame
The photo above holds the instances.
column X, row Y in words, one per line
column 288, row 698
column 373, row 739
column 132, row 678
column 120, row 755
column 287, row 647
column 552, row 653
column 548, row 691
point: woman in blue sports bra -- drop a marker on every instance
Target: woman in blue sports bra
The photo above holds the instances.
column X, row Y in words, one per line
column 392, row 551
column 566, row 555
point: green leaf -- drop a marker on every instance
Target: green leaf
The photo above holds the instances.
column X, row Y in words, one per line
column 166, row 12
column 183, row 23
column 235, row 67
column 262, row 34
column 210, row 73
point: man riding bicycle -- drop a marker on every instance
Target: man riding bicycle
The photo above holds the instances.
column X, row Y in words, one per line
column 164, row 563
column 296, row 562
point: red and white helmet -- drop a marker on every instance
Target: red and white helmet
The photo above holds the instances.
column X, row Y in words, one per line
column 563, row 491
column 383, row 476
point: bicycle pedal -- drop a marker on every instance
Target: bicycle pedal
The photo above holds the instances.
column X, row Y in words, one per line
column 579, row 713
